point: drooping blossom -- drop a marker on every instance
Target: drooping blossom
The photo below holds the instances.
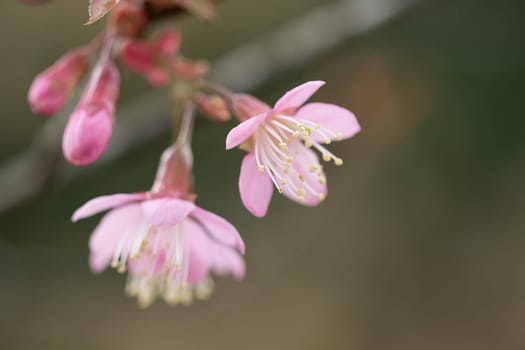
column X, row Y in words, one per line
column 90, row 125
column 279, row 139
column 168, row 245
column 51, row 89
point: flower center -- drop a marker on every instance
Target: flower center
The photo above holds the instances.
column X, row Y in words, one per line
column 274, row 141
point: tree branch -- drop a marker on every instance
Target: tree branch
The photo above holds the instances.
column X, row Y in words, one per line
column 312, row 35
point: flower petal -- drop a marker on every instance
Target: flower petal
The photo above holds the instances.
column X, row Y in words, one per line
column 107, row 236
column 219, row 228
column 244, row 130
column 227, row 261
column 337, row 119
column 256, row 188
column 199, row 250
column 305, row 165
column 96, row 205
column 296, row 97
column 166, row 211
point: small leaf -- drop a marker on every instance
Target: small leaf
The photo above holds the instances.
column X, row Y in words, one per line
column 99, row 8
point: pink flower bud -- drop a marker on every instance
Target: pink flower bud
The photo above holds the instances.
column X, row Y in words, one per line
column 87, row 134
column 151, row 59
column 213, row 107
column 90, row 126
column 140, row 58
column 168, row 43
column 190, row 70
column 174, row 175
column 246, row 106
column 51, row 89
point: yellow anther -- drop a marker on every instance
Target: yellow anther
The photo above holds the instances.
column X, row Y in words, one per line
column 313, row 169
column 326, row 157
column 339, row 136
column 284, row 182
column 283, row 146
column 114, row 264
column 338, row 161
column 300, row 198
column 321, row 197
column 301, row 192
column 289, row 159
column 261, row 168
column 301, row 178
column 121, row 269
column 308, row 143
column 280, row 190
column 295, row 134
column 317, row 126
column 327, row 141
column 322, row 180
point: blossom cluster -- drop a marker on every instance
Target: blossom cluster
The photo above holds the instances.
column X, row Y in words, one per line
column 169, row 246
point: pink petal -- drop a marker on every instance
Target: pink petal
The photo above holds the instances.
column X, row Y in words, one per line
column 296, row 97
column 227, row 261
column 219, row 228
column 244, row 130
column 166, row 211
column 337, row 119
column 303, row 161
column 96, row 205
column 256, row 188
column 107, row 235
column 199, row 250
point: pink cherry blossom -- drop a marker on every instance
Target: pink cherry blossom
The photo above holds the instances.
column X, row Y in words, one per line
column 169, row 245
column 279, row 142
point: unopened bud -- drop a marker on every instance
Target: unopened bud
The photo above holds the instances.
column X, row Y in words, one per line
column 190, row 70
column 51, row 89
column 128, row 20
column 213, row 107
column 246, row 106
column 90, row 126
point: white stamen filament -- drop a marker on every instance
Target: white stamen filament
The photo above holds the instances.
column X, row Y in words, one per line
column 271, row 146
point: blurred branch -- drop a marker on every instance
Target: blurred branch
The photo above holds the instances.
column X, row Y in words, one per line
column 298, row 42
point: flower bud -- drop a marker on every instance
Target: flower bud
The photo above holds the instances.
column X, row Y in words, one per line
column 190, row 70
column 51, row 89
column 128, row 20
column 87, row 134
column 151, row 58
column 246, row 106
column 213, row 107
column 174, row 175
column 138, row 57
column 90, row 126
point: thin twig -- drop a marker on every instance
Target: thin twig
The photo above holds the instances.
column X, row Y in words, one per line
column 298, row 42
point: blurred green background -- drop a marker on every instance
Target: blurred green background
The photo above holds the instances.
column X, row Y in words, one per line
column 418, row 246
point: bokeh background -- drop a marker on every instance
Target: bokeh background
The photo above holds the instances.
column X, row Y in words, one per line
column 420, row 244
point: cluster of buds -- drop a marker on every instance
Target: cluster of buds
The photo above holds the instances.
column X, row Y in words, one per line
column 166, row 243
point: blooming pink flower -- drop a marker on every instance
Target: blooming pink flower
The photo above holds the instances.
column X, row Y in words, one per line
column 51, row 89
column 279, row 139
column 90, row 126
column 167, row 243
